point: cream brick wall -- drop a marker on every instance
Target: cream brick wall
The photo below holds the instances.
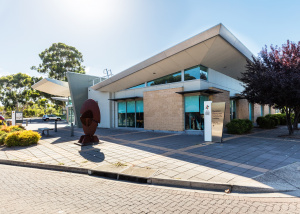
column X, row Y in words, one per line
column 222, row 97
column 242, row 109
column 257, row 111
column 163, row 110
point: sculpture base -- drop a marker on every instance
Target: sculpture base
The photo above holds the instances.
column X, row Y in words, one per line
column 86, row 140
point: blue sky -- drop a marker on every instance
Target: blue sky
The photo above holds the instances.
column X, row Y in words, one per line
column 117, row 34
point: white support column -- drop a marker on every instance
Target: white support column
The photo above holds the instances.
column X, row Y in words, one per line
column 182, row 75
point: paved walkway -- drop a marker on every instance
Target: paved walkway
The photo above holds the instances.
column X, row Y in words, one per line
column 26, row 190
column 168, row 155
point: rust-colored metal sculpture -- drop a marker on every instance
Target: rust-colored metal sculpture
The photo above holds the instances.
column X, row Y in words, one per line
column 90, row 117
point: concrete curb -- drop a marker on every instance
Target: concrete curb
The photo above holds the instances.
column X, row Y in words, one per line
column 150, row 180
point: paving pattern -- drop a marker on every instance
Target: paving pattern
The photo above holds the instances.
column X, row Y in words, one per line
column 173, row 155
column 26, row 190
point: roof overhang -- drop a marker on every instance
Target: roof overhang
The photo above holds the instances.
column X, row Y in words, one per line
column 53, row 87
column 216, row 48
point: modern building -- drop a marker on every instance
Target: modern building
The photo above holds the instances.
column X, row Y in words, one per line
column 167, row 91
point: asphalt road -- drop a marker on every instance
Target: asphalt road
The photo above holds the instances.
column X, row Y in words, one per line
column 27, row 190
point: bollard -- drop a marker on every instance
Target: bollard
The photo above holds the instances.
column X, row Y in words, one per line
column 26, row 122
column 55, row 126
column 72, row 130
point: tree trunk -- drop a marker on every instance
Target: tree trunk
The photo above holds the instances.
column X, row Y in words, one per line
column 296, row 119
column 289, row 121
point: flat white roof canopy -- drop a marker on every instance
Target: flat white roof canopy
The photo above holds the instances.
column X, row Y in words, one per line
column 216, row 48
column 53, row 87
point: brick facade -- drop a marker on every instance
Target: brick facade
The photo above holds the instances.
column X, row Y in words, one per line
column 242, row 109
column 222, row 97
column 163, row 110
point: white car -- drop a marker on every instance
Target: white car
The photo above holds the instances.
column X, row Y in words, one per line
column 51, row 117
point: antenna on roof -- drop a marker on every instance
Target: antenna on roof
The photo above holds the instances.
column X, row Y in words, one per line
column 108, row 73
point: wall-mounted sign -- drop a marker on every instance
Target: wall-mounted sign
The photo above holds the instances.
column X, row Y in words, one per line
column 213, row 121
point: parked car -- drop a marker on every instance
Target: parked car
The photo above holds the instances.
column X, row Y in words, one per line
column 2, row 118
column 51, row 117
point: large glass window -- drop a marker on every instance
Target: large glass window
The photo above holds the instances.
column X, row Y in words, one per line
column 262, row 110
column 122, row 114
column 131, row 114
column 197, row 72
column 194, row 112
column 232, row 109
column 176, row 77
column 250, row 111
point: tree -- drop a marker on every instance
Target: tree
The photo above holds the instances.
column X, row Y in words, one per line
column 274, row 79
column 16, row 91
column 58, row 60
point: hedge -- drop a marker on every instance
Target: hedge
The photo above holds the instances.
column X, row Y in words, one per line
column 239, row 126
column 22, row 138
column 266, row 122
column 3, row 135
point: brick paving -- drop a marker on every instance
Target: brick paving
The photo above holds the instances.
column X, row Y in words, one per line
column 173, row 155
column 26, row 190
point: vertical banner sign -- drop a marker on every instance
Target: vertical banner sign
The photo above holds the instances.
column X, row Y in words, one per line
column 13, row 118
column 218, row 110
column 207, row 121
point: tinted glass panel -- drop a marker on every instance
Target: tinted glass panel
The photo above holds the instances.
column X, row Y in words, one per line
column 232, row 109
column 131, row 107
column 130, row 119
column 121, row 119
column 191, row 104
column 197, row 72
column 138, row 86
column 194, row 108
column 139, row 106
column 166, row 79
column 122, row 107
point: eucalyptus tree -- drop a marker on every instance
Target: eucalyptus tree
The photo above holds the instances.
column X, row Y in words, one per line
column 58, row 59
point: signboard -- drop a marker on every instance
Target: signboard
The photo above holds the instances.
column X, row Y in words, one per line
column 218, row 110
column 19, row 117
column 16, row 117
column 13, row 118
column 207, row 121
column 213, row 121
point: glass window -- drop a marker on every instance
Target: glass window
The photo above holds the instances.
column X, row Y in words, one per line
column 122, row 114
column 176, row 77
column 131, row 114
column 197, row 72
column 139, row 114
column 262, row 110
column 194, row 108
column 232, row 109
column 138, row 86
column 269, row 109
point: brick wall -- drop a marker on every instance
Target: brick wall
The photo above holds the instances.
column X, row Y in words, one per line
column 163, row 110
column 257, row 111
column 242, row 109
column 222, row 97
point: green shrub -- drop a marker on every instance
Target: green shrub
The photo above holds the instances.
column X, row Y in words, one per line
column 267, row 123
column 3, row 135
column 22, row 138
column 239, row 126
column 274, row 117
column 259, row 120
